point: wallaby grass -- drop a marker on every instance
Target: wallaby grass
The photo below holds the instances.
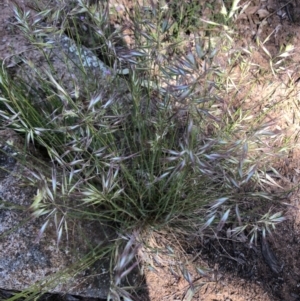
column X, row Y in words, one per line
column 174, row 153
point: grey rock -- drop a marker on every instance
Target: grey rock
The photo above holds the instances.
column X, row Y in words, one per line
column 26, row 261
column 74, row 68
column 7, row 161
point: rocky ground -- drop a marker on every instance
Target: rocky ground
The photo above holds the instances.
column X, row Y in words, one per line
column 235, row 270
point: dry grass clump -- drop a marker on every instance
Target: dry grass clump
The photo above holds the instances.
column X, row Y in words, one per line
column 168, row 152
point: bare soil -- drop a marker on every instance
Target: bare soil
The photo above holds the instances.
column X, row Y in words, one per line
column 237, row 271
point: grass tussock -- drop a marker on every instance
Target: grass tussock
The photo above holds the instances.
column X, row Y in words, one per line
column 160, row 144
